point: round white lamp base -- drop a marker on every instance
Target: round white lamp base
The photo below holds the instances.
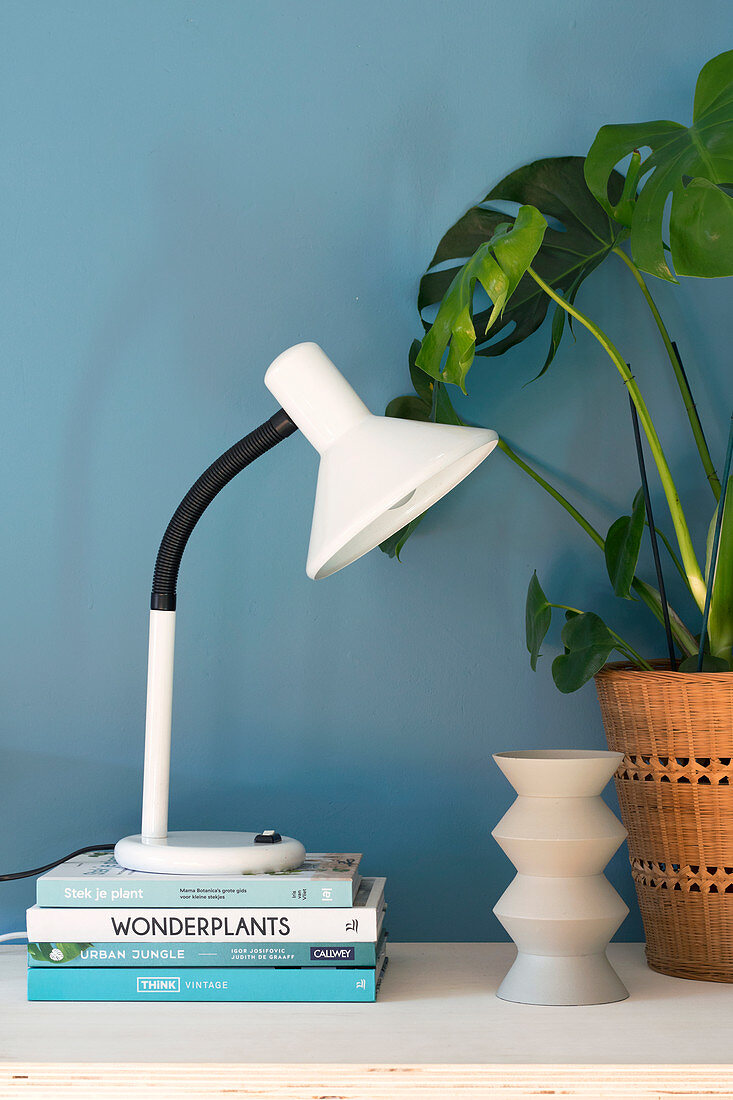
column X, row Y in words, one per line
column 208, row 853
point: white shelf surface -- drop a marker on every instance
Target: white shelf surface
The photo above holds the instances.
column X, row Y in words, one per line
column 437, row 1020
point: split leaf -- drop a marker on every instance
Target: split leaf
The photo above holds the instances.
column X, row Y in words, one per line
column 498, row 265
column 580, row 235
column 692, row 164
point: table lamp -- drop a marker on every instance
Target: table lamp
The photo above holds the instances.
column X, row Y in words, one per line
column 376, row 474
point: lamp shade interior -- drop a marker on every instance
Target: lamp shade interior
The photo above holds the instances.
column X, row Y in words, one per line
column 380, row 476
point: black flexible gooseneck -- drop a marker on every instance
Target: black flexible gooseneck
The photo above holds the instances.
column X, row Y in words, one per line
column 185, row 518
column 200, row 496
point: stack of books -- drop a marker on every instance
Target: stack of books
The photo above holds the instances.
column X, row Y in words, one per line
column 99, row 932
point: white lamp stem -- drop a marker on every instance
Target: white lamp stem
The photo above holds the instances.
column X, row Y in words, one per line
column 156, row 771
column 154, row 849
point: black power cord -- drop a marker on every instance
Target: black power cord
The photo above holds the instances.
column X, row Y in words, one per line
column 56, row 862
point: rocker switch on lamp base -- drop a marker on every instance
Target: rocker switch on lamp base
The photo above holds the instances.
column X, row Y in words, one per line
column 269, row 836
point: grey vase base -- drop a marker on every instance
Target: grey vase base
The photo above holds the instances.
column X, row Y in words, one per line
column 562, row 980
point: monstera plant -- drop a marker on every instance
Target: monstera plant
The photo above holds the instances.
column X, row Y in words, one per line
column 56, row 953
column 569, row 216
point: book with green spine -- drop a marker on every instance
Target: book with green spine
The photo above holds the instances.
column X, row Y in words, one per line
column 163, row 955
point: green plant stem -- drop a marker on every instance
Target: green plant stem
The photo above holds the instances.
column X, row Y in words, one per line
column 684, row 540
column 675, row 560
column 646, row 592
column 623, row 646
column 589, row 529
column 629, row 651
column 653, row 600
column 684, row 386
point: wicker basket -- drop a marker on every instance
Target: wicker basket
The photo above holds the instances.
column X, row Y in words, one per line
column 675, row 789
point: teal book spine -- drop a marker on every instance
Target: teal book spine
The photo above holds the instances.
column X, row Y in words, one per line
column 204, row 984
column 95, row 881
column 66, row 955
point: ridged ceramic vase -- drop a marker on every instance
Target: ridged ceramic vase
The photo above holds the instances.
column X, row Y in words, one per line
column 560, row 909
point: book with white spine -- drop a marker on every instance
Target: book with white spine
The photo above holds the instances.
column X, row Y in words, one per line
column 355, row 924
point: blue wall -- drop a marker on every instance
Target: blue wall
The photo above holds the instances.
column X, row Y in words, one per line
column 188, row 188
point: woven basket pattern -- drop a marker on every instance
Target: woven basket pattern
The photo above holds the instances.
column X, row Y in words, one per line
column 715, row 880
column 675, row 790
column 675, row 769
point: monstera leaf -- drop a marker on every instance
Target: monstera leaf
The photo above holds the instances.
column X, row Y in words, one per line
column 56, row 953
column 428, row 402
column 499, row 265
column 40, row 951
column 580, row 236
column 692, row 163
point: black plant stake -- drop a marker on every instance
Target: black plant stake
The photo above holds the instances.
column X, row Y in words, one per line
column 715, row 547
column 693, row 413
column 653, row 536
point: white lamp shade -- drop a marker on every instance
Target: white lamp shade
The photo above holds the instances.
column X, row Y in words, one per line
column 377, row 473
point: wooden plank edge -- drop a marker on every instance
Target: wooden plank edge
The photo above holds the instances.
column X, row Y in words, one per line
column 366, row 1082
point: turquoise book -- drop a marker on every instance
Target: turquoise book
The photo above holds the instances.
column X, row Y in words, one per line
column 187, row 953
column 96, row 880
column 206, row 984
